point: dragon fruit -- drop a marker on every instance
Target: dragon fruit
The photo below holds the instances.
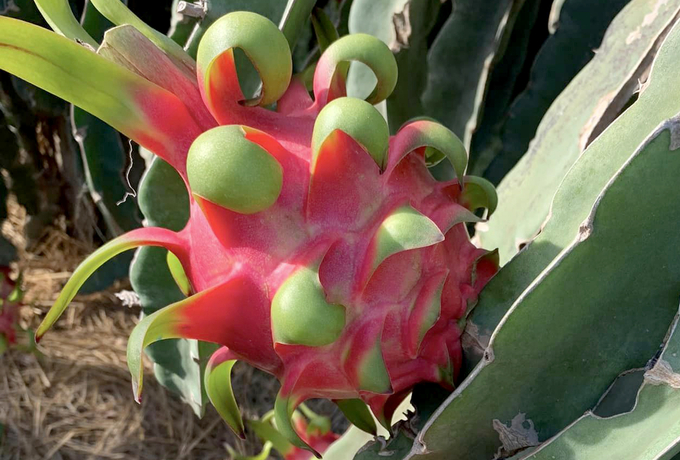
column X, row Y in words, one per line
column 10, row 297
column 319, row 249
column 314, row 429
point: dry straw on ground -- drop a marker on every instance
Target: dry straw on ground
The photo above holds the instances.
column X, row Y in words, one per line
column 75, row 401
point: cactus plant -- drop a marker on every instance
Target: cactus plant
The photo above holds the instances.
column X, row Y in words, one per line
column 311, row 244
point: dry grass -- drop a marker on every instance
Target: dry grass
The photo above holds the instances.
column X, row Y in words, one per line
column 74, row 401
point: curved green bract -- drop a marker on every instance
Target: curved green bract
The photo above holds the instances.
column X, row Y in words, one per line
column 373, row 375
column 178, row 274
column 358, row 414
column 404, row 229
column 300, row 314
column 59, row 16
column 362, row 48
column 160, row 325
column 424, row 132
column 479, row 193
column 359, row 120
column 227, row 169
column 284, row 406
column 221, row 395
column 260, row 40
column 119, row 14
column 142, row 237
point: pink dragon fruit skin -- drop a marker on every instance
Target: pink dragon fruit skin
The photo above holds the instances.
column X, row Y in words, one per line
column 9, row 309
column 318, row 249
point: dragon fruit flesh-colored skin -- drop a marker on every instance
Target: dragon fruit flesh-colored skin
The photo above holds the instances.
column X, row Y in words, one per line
column 318, row 249
column 10, row 295
column 314, row 429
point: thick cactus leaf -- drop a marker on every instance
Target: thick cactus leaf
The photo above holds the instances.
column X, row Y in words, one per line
column 650, row 431
column 59, row 16
column 620, row 397
column 150, row 236
column 359, row 120
column 103, row 154
column 119, row 14
column 404, row 26
column 358, row 414
column 620, row 267
column 513, row 62
column 330, row 75
column 265, row 46
column 218, row 387
column 597, row 164
column 459, row 61
column 576, row 37
column 324, row 29
column 595, row 95
column 136, row 107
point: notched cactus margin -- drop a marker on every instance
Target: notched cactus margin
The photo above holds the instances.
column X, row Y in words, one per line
column 657, row 404
column 600, row 89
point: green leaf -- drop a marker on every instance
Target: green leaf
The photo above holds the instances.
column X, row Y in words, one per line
column 576, row 34
column 118, row 13
column 506, row 77
column 651, row 431
column 601, row 307
column 131, row 104
column 603, row 86
column 404, row 26
column 104, row 156
column 577, row 194
column 460, row 59
column 59, row 16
